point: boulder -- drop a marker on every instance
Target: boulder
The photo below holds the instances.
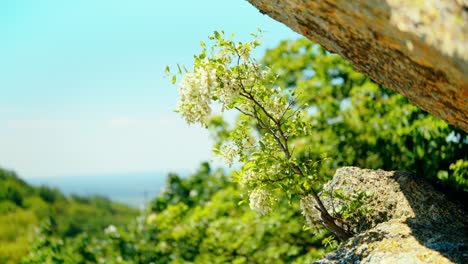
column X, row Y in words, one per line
column 406, row 220
column 416, row 48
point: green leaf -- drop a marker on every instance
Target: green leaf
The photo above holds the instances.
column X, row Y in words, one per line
column 241, row 202
column 217, row 35
column 174, row 79
column 179, row 69
column 262, row 145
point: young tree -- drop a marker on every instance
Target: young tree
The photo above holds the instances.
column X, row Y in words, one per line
column 271, row 119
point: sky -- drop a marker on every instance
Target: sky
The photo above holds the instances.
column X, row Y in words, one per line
column 82, row 87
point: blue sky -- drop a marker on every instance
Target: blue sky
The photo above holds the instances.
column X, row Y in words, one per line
column 82, row 88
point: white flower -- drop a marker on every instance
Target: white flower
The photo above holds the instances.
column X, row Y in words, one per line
column 111, row 230
column 151, row 218
column 273, row 171
column 228, row 153
column 311, row 214
column 195, row 94
column 227, row 92
column 193, row 193
column 276, row 106
column 247, row 177
column 260, row 201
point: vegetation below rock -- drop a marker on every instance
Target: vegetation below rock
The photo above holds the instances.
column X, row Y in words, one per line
column 24, row 207
column 194, row 220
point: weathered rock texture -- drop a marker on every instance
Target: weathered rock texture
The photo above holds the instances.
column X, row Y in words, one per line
column 409, row 221
column 417, row 48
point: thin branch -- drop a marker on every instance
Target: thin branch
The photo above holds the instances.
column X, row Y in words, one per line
column 244, row 112
column 286, row 110
column 275, row 121
column 270, row 130
column 251, row 97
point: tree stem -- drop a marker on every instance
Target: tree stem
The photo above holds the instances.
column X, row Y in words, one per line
column 282, row 140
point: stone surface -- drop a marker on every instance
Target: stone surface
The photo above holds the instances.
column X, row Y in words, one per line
column 409, row 221
column 417, row 48
column 394, row 242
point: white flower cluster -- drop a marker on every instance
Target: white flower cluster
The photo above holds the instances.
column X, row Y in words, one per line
column 151, row 218
column 228, row 153
column 247, row 177
column 112, row 231
column 274, row 171
column 220, row 79
column 199, row 87
column 195, row 94
column 228, row 92
column 276, row 107
column 232, row 83
column 311, row 214
column 260, row 201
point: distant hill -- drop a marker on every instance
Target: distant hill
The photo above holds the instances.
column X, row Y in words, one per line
column 24, row 207
column 133, row 189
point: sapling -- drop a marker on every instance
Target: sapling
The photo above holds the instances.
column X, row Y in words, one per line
column 226, row 77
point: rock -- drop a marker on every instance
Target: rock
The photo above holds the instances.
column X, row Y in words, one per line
column 408, row 220
column 417, row 48
column 394, row 242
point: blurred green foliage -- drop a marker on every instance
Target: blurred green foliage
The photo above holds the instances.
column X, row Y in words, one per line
column 196, row 219
column 360, row 123
column 24, row 207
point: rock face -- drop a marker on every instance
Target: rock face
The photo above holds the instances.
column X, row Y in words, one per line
column 417, row 48
column 408, row 222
